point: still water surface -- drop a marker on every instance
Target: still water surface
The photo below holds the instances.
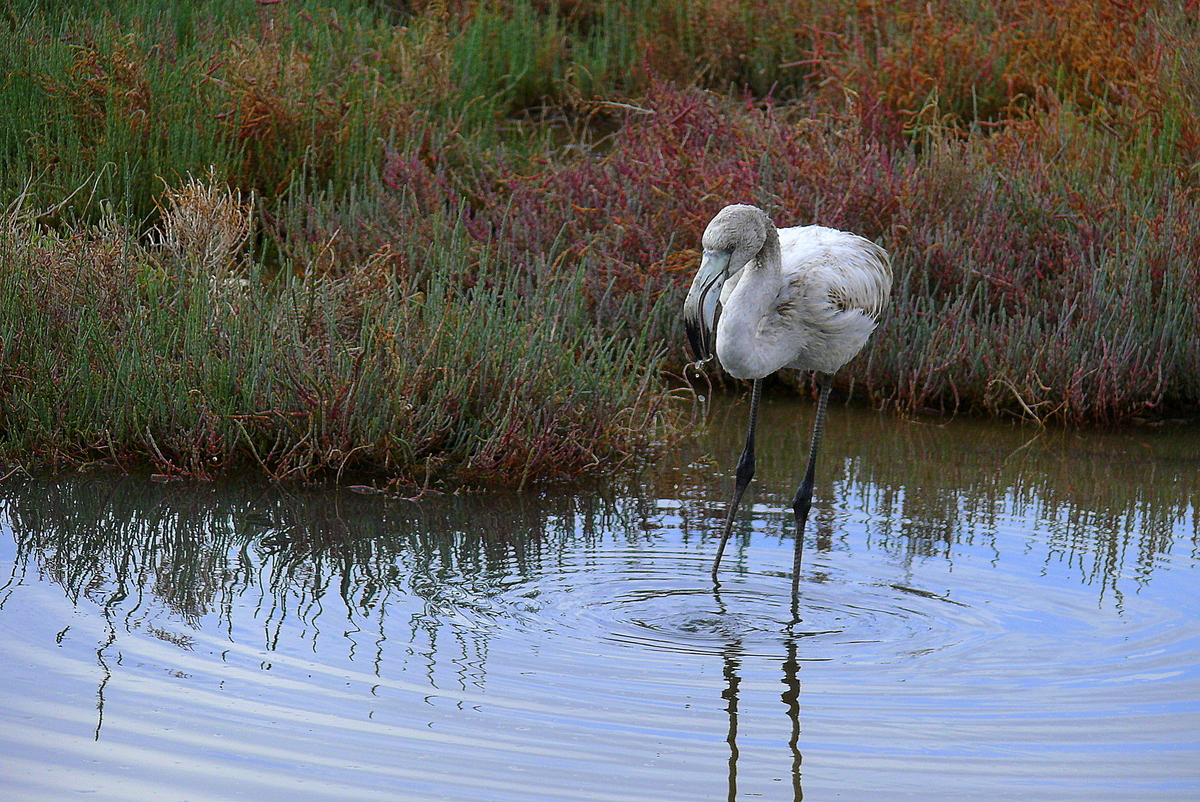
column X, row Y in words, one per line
column 986, row 612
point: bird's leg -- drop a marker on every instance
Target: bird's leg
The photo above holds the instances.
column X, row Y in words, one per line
column 745, row 472
column 803, row 500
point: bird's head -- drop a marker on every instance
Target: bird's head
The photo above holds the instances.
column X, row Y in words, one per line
column 733, row 237
column 738, row 230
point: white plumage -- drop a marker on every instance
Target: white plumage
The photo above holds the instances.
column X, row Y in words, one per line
column 806, row 297
column 764, row 299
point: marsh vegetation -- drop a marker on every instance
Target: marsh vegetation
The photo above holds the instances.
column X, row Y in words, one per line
column 444, row 243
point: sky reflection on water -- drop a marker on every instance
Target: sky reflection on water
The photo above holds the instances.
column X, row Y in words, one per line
column 988, row 612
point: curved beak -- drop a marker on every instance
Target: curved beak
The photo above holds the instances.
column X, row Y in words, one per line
column 703, row 304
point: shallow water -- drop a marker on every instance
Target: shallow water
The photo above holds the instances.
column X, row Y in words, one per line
column 986, row 612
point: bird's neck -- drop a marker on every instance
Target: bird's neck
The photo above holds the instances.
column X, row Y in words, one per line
column 759, row 284
column 770, row 258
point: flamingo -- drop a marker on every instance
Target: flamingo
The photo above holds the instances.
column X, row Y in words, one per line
column 806, row 297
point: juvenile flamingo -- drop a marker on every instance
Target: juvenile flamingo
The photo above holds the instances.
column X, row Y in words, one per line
column 806, row 297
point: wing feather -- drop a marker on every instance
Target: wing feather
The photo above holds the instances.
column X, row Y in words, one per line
column 827, row 271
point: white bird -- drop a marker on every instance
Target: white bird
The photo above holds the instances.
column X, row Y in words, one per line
column 806, row 297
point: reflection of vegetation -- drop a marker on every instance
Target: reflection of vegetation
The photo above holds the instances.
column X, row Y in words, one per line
column 292, row 566
column 1108, row 504
column 196, row 549
column 442, row 570
column 1102, row 501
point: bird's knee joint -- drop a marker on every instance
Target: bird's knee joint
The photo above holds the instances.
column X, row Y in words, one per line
column 801, row 505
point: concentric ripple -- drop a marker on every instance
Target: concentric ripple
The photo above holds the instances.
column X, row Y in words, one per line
column 610, row 667
column 665, row 600
column 664, row 603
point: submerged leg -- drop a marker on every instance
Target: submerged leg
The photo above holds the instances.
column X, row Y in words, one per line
column 745, row 471
column 803, row 500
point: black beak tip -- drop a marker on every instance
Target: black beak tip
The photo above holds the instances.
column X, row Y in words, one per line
column 696, row 344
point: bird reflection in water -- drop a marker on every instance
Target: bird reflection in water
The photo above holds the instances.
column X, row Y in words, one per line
column 732, row 656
